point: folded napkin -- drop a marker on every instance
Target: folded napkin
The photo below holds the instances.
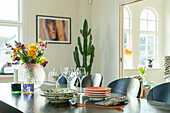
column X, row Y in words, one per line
column 112, row 101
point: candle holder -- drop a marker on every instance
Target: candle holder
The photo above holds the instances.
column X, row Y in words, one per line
column 16, row 88
column 28, row 88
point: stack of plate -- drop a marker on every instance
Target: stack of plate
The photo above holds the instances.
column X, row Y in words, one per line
column 61, row 95
column 97, row 92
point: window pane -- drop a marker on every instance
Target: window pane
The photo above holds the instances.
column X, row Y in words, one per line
column 4, row 58
column 142, row 60
column 7, row 35
column 150, row 50
column 125, row 38
column 151, row 39
column 143, row 25
column 125, row 46
column 150, row 57
column 9, row 10
column 143, row 14
column 126, row 23
column 126, row 13
column 142, row 39
column 151, row 16
column 151, row 26
column 142, row 50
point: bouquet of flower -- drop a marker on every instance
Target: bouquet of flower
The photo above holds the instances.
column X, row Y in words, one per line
column 31, row 54
column 142, row 69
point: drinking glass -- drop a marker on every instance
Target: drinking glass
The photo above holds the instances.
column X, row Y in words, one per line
column 52, row 76
column 80, row 73
column 69, row 74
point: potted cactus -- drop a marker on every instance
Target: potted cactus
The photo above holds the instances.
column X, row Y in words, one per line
column 86, row 50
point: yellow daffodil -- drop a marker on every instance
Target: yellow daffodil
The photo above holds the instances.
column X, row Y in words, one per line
column 31, row 52
column 32, row 46
column 42, row 59
column 15, row 54
column 39, row 40
column 17, row 48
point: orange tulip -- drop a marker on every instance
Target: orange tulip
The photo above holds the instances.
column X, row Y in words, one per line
column 31, row 52
column 128, row 52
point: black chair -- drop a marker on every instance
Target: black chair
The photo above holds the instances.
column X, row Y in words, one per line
column 160, row 93
column 93, row 80
column 125, row 86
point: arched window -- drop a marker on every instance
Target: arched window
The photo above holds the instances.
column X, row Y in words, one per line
column 127, row 38
column 148, row 36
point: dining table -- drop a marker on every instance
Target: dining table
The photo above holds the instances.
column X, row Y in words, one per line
column 35, row 103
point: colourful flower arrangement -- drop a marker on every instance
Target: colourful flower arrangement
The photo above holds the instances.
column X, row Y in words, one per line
column 31, row 54
column 142, row 69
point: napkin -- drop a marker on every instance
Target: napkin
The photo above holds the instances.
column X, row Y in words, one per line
column 113, row 101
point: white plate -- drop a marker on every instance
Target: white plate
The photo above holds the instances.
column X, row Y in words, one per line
column 97, row 98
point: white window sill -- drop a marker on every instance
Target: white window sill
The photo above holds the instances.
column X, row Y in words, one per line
column 6, row 76
column 154, row 68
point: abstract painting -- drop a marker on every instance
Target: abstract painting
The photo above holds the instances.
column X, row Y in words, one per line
column 53, row 29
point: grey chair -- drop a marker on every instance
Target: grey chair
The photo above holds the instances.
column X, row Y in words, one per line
column 125, row 86
column 160, row 93
column 93, row 80
column 62, row 80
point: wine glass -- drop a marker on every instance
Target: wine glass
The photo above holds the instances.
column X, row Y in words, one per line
column 52, row 75
column 69, row 74
column 80, row 72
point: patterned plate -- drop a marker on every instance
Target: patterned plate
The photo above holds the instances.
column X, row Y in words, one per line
column 64, row 92
column 61, row 95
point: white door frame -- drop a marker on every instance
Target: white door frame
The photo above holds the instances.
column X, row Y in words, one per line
column 121, row 40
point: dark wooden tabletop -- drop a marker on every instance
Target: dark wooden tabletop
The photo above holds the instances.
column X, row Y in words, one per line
column 38, row 104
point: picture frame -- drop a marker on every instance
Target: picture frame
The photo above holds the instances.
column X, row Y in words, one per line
column 53, row 29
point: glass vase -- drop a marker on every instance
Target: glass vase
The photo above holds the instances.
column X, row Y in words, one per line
column 144, row 82
column 32, row 74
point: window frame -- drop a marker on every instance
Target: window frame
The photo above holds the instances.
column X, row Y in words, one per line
column 147, row 33
column 129, row 39
column 13, row 23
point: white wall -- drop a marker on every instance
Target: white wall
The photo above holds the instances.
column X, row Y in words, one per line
column 58, row 55
column 104, row 26
column 167, row 27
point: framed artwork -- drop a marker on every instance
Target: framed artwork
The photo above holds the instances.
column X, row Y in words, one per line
column 53, row 29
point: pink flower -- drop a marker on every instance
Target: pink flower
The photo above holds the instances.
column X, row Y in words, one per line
column 42, row 44
column 33, row 61
column 22, row 46
column 44, row 63
column 17, row 58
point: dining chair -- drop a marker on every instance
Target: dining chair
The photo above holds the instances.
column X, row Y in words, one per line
column 62, row 79
column 93, row 80
column 125, row 86
column 160, row 93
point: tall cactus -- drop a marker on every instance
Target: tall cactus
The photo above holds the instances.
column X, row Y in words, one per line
column 87, row 49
